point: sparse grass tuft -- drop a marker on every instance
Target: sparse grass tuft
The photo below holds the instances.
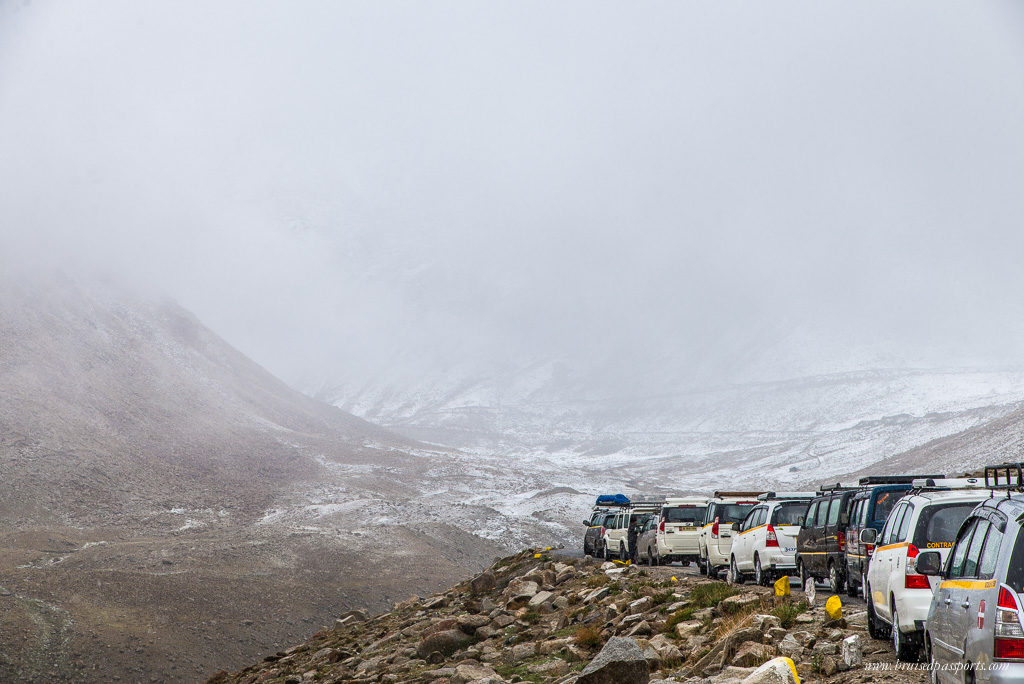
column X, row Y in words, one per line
column 707, row 595
column 598, row 581
column 787, row 612
column 587, row 637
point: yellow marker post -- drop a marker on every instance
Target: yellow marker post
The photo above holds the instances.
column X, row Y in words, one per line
column 536, row 555
column 782, row 586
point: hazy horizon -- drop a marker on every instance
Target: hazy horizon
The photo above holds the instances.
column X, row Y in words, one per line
column 682, row 196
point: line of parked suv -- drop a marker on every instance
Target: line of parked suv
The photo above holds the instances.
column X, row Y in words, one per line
column 939, row 561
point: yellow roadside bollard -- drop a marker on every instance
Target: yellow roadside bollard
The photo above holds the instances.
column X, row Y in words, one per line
column 782, row 586
column 548, row 548
column 674, row 579
column 834, row 608
column 536, row 555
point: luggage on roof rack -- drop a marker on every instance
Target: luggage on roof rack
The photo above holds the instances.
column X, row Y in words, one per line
column 612, row 500
column 895, row 479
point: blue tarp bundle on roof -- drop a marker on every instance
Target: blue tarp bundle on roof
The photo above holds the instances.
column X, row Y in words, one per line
column 612, row 500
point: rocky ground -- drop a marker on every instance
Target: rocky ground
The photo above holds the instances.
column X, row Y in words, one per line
column 542, row 618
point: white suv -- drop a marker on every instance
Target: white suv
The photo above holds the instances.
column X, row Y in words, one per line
column 715, row 545
column 927, row 518
column 764, row 544
column 616, row 536
column 678, row 535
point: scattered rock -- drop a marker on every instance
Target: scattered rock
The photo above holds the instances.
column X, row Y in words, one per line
column 852, row 651
column 620, row 662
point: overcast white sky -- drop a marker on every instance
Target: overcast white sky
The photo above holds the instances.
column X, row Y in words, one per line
column 683, row 188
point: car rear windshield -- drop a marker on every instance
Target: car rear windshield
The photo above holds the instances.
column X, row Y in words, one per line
column 788, row 513
column 884, row 505
column 683, row 514
column 730, row 513
column 939, row 523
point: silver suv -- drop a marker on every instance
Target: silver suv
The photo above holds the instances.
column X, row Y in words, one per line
column 975, row 625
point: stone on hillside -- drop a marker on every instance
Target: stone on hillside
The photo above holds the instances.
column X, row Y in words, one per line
column 620, row 662
column 521, row 652
column 805, row 639
column 483, row 583
column 440, row 626
column 608, row 565
column 751, row 654
column 552, row 668
column 666, row 648
column 521, row 591
column 560, row 603
column 829, row 666
column 804, row 619
column 358, row 615
column 596, row 595
column 435, row 602
column 642, row 628
column 468, row 672
column 541, row 598
column 502, row 621
column 565, row 575
column 446, row 643
column 853, row 651
column 775, row 671
column 471, row 623
column 689, row 628
column 826, row 648
column 765, row 622
column 790, row 647
column 639, row 606
column 738, row 602
column 553, row 646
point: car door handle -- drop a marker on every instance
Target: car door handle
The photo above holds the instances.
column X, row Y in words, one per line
column 965, row 604
column 948, row 601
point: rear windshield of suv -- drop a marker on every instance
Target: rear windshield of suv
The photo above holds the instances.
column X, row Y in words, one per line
column 684, row 514
column 730, row 513
column 939, row 523
column 788, row 513
column 1015, row 570
column 884, row 505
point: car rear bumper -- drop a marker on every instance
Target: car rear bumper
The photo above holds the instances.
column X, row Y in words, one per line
column 913, row 605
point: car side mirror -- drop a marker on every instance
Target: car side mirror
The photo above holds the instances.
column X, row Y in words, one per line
column 587, row 523
column 929, row 563
column 735, row 527
column 869, row 535
column 844, row 518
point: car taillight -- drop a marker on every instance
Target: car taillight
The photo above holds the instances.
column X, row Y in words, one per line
column 1009, row 636
column 714, row 530
column 661, row 527
column 912, row 580
column 841, row 538
column 869, row 549
column 602, row 531
column 771, row 539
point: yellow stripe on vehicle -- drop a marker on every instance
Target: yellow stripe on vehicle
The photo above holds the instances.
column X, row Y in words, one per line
column 813, row 553
column 968, row 584
column 892, row 546
column 751, row 530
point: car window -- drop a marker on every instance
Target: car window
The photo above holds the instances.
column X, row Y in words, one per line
column 973, row 557
column 762, row 515
column 884, row 504
column 833, row 511
column 812, row 511
column 608, row 520
column 748, row 521
column 1015, row 568
column 683, row 514
column 865, row 504
column 904, row 528
column 892, row 525
column 960, row 551
column 822, row 515
column 730, row 513
column 938, row 524
column 788, row 513
column 990, row 554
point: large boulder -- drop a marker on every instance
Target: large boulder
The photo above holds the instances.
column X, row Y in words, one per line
column 483, row 583
column 751, row 654
column 621, row 661
column 445, row 642
column 469, row 672
column 775, row 671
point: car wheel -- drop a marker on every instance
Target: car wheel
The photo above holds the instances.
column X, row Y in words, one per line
column 906, row 650
column 876, row 628
column 657, row 558
column 802, row 572
column 604, row 552
column 650, row 557
column 760, row 578
column 835, row 580
column 623, row 556
column 864, row 586
column 735, row 576
column 933, row 665
column 852, row 590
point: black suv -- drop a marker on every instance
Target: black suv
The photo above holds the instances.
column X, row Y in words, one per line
column 594, row 538
column 821, row 542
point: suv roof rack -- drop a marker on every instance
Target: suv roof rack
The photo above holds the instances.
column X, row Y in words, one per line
column 895, row 479
column 775, row 496
column 1005, row 476
column 837, row 487
column 721, row 494
column 648, row 503
column 932, row 484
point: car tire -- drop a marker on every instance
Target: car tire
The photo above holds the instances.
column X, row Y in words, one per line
column 802, row 572
column 835, row 580
column 760, row 578
column 906, row 650
column 864, row 586
column 623, row 556
column 852, row 590
column 876, row 627
column 735, row 576
column 933, row 665
column 650, row 557
column 604, row 552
